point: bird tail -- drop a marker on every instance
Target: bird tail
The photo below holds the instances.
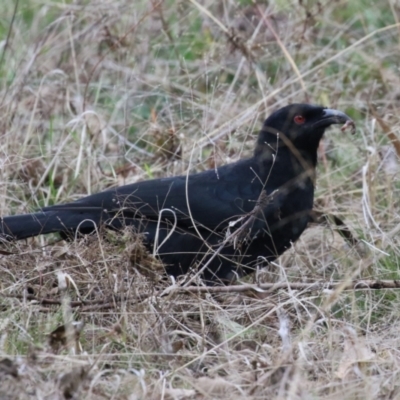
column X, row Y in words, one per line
column 23, row 226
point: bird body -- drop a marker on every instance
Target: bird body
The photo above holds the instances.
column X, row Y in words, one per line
column 263, row 201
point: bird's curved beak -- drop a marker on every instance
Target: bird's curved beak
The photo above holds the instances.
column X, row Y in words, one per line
column 331, row 116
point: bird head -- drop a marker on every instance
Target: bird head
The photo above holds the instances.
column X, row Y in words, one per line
column 300, row 126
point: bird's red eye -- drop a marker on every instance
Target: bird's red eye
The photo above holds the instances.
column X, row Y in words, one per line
column 299, row 119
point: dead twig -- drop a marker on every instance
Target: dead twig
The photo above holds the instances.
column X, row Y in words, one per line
column 303, row 286
column 260, row 288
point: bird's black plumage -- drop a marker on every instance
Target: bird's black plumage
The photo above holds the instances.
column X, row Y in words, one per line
column 185, row 219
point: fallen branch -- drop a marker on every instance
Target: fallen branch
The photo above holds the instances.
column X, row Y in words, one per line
column 273, row 287
column 94, row 305
column 57, row 301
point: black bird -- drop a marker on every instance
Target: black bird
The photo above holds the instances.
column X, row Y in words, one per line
column 225, row 221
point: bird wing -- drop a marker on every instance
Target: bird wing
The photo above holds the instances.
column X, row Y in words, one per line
column 211, row 197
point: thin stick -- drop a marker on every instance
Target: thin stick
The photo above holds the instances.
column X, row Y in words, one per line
column 261, row 288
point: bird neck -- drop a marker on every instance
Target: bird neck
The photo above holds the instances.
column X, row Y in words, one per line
column 268, row 154
column 272, row 143
column 285, row 161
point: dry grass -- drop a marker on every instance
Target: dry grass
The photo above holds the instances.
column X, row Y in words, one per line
column 95, row 94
